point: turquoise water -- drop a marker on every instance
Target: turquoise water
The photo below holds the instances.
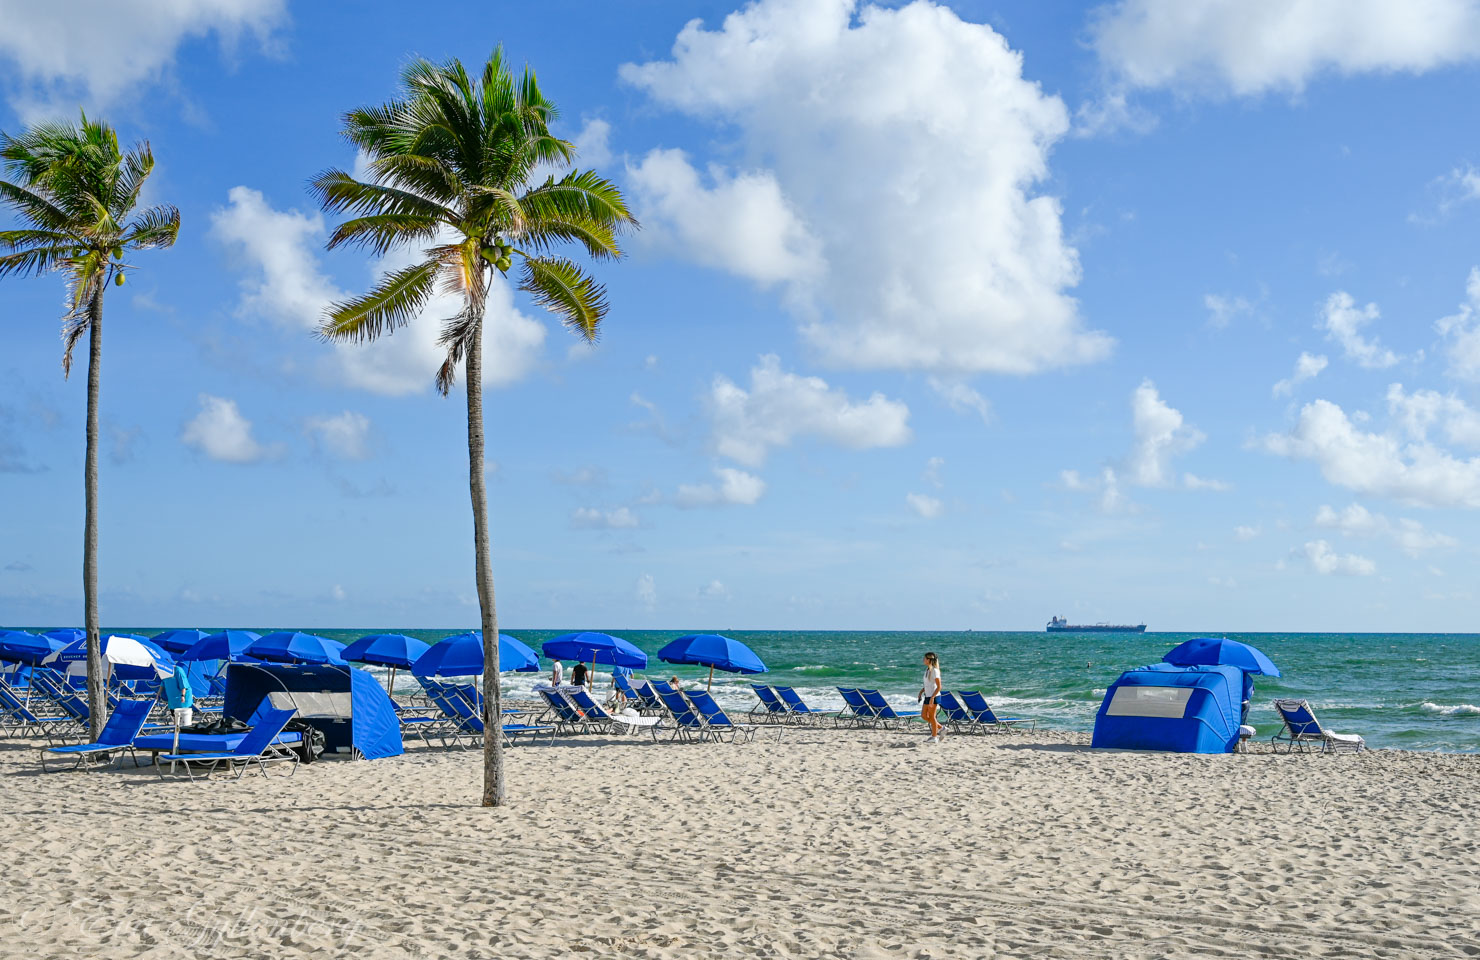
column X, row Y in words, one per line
column 1409, row 691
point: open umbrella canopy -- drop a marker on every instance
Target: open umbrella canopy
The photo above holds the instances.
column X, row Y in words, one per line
column 66, row 634
column 294, row 647
column 18, row 646
column 588, row 647
column 177, row 641
column 386, row 649
column 461, row 655
column 713, row 650
column 1216, row 650
column 130, row 657
column 229, row 645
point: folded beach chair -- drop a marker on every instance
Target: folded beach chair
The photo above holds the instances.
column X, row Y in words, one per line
column 857, row 710
column 885, row 713
column 597, row 716
column 957, row 716
column 719, row 723
column 1303, row 729
column 116, row 738
column 259, row 746
column 798, row 708
column 771, row 707
column 687, row 722
column 988, row 718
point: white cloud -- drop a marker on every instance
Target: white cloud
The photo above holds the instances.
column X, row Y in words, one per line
column 1422, row 410
column 1307, row 367
column 742, row 223
column 841, row 110
column 1244, row 533
column 1382, row 464
column 647, row 591
column 285, row 282
column 925, row 506
column 589, row 518
column 1343, row 321
column 1250, row 47
column 932, row 471
column 221, row 432
column 734, row 487
column 592, row 144
column 1222, row 309
column 1324, row 560
column 781, row 406
column 1193, row 482
column 1456, row 188
column 1461, row 332
column 1161, row 434
column 714, row 590
column 345, row 435
column 104, row 54
column 1408, row 535
column 1106, row 486
column 961, row 398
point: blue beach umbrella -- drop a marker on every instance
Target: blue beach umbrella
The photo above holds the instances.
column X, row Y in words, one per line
column 22, row 647
column 177, row 641
column 294, row 647
column 595, row 648
column 461, row 655
column 388, row 650
column 713, row 651
column 66, row 634
column 1216, row 650
column 228, row 645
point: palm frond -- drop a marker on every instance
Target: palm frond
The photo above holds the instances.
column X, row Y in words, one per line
column 34, row 208
column 338, row 192
column 34, row 261
column 393, row 303
column 561, row 287
column 383, row 232
column 154, row 229
column 18, row 239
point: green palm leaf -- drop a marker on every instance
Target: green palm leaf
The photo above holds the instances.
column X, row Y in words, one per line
column 561, row 287
column 399, row 297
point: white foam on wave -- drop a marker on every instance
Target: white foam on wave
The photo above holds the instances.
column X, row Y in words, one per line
column 1450, row 709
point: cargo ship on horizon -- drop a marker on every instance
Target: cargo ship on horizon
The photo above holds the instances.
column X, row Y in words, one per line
column 1060, row 625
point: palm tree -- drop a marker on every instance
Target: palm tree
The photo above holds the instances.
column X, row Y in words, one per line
column 75, row 194
column 455, row 169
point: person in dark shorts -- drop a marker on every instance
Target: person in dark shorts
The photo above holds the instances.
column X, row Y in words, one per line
column 929, row 690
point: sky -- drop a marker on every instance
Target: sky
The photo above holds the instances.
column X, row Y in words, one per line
column 941, row 316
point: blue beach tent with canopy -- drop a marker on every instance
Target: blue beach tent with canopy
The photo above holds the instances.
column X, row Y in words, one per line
column 346, row 703
column 1167, row 707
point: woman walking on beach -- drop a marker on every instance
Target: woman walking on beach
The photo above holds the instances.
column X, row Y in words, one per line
column 929, row 690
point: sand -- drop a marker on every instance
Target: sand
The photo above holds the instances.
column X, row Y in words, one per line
column 822, row 844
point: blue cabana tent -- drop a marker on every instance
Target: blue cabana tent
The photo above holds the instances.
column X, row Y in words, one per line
column 344, row 702
column 1167, row 707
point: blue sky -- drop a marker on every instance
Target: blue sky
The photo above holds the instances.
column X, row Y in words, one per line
column 943, row 316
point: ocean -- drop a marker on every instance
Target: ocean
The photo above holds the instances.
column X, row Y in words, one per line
column 1404, row 691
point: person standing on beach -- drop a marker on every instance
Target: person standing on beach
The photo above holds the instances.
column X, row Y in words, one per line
column 557, row 674
column 578, row 675
column 929, row 690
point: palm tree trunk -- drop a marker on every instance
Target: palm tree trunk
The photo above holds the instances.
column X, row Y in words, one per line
column 97, row 704
column 493, row 712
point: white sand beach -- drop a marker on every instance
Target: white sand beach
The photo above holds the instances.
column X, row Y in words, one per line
column 822, row 844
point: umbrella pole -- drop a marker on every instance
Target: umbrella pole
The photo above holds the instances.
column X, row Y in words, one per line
column 710, row 685
column 390, row 686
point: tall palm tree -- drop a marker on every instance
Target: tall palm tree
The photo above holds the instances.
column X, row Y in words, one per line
column 76, row 195
column 455, row 169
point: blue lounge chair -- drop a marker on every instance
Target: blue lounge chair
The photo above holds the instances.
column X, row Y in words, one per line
column 952, row 712
column 798, row 707
column 719, row 723
column 687, row 723
column 116, row 738
column 27, row 719
column 561, row 713
column 884, row 712
column 259, row 746
column 647, row 698
column 857, row 710
column 599, row 717
column 771, row 707
column 988, row 718
column 1302, row 730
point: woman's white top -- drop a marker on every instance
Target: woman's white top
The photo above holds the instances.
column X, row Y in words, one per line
column 558, row 674
column 932, row 675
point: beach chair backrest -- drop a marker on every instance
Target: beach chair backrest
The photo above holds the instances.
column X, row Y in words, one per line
column 270, row 723
column 955, row 712
column 856, row 702
column 878, row 704
column 464, row 702
column 556, row 701
column 586, row 704
column 625, row 687
column 709, row 709
column 978, row 705
column 125, row 723
column 792, row 699
column 769, row 698
column 65, row 698
column 1299, row 717
column 678, row 705
column 648, row 695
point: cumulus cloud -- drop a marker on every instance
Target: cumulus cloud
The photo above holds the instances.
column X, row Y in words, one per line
column 1222, row 309
column 1161, row 434
column 221, row 432
column 1423, row 410
column 962, row 398
column 1307, row 367
column 1250, row 47
column 1324, row 560
column 1401, row 463
column 734, row 487
column 842, row 108
column 61, row 54
column 344, row 435
column 1461, row 332
column 1343, row 320
column 590, row 518
column 1408, row 535
column 284, row 281
column 924, row 505
column 781, row 406
column 1454, row 189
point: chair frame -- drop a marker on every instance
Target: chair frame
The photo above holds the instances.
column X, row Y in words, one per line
column 1303, row 733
